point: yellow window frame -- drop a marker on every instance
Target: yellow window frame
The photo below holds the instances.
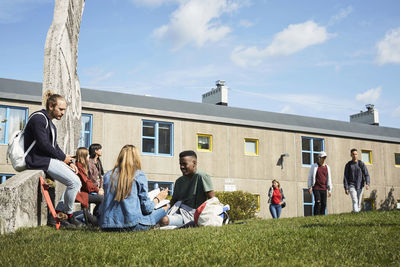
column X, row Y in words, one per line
column 395, row 154
column 251, row 140
column 258, row 201
column 210, row 142
column 370, row 156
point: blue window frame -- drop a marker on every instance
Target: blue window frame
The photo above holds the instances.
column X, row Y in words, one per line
column 157, row 138
column 4, row 177
column 12, row 119
column 156, row 184
column 310, row 148
column 85, row 139
column 308, row 203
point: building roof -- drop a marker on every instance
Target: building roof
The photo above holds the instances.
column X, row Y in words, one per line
column 106, row 100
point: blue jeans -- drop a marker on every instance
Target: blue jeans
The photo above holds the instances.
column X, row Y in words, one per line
column 275, row 210
column 60, row 171
column 156, row 214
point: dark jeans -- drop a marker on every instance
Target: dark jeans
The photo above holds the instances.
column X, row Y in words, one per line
column 319, row 201
column 96, row 199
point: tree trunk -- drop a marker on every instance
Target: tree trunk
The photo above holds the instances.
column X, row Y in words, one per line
column 60, row 69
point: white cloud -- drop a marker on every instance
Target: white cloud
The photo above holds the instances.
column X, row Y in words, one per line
column 287, row 109
column 294, row 38
column 370, row 96
column 389, row 48
column 96, row 74
column 396, row 112
column 153, row 3
column 245, row 23
column 343, row 13
column 196, row 22
column 12, row 11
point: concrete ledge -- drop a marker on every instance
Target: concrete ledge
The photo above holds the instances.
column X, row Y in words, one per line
column 21, row 202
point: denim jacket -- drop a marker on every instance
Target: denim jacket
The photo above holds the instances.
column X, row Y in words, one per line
column 133, row 210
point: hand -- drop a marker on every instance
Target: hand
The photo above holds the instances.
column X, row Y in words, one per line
column 346, row 191
column 163, row 194
column 74, row 168
column 329, row 194
column 367, row 186
column 68, row 159
column 310, row 191
column 101, row 192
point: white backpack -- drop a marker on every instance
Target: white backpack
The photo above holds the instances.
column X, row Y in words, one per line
column 15, row 151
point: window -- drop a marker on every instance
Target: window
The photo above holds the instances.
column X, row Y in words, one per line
column 156, row 184
column 368, row 204
column 310, row 148
column 251, row 147
column 308, row 203
column 366, row 156
column 85, row 140
column 12, row 119
column 257, row 196
column 204, row 142
column 397, row 159
column 157, row 138
column 4, row 177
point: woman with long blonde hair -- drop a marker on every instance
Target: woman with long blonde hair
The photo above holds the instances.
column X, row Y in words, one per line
column 126, row 205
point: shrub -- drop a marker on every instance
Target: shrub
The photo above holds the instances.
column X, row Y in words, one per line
column 243, row 204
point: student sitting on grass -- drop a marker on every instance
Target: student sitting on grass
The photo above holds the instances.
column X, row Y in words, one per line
column 89, row 192
column 126, row 205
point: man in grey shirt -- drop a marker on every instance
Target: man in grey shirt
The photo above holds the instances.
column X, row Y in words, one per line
column 355, row 177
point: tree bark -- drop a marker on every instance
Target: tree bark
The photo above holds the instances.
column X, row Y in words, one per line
column 60, row 69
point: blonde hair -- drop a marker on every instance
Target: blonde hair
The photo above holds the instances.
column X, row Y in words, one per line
column 279, row 185
column 127, row 163
column 51, row 99
column 81, row 156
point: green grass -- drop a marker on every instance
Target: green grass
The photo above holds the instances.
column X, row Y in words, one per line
column 364, row 239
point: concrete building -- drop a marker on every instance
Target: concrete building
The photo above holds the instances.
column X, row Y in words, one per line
column 241, row 149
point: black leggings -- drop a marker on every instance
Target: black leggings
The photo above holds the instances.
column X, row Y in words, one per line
column 319, row 201
column 96, row 199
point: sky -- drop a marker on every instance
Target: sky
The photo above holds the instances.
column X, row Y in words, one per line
column 324, row 59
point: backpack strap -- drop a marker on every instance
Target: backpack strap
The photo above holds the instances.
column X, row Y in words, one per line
column 34, row 141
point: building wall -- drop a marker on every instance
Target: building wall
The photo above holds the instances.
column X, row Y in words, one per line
column 227, row 163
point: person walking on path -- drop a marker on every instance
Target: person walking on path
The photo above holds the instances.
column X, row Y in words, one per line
column 355, row 177
column 320, row 183
column 276, row 198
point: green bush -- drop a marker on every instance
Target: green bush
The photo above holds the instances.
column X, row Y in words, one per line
column 243, row 204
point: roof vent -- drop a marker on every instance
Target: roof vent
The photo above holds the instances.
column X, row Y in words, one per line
column 217, row 96
column 371, row 116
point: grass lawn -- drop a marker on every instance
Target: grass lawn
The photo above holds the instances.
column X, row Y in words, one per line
column 364, row 239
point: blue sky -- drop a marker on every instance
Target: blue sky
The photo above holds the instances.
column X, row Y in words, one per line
column 322, row 59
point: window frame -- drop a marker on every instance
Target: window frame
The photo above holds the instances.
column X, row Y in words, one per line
column 5, row 176
column 156, row 138
column 257, row 146
column 82, row 132
column 311, row 151
column 210, row 142
column 6, row 123
column 396, row 165
column 370, row 156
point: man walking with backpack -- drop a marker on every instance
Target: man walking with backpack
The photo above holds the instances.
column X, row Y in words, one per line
column 46, row 155
column 355, row 177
